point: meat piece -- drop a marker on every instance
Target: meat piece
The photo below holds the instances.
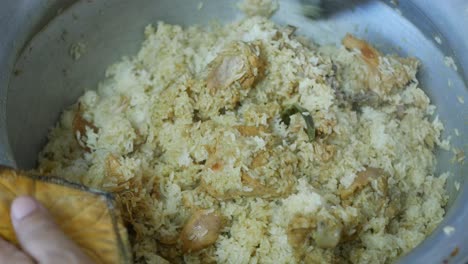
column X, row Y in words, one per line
column 239, row 62
column 201, row 230
column 363, row 178
column 384, row 72
column 368, row 53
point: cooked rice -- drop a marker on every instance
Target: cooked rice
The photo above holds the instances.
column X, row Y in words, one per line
column 167, row 146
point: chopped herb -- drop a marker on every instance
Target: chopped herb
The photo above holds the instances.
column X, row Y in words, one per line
column 294, row 109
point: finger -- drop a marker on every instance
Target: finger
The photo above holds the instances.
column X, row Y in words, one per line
column 11, row 254
column 40, row 237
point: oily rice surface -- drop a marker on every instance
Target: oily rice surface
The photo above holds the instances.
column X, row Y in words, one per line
column 191, row 127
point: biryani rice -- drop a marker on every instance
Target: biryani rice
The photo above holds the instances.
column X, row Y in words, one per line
column 168, row 146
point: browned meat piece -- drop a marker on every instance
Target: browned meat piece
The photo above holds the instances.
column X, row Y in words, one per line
column 239, row 62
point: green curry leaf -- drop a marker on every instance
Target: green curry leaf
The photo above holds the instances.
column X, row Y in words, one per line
column 294, row 109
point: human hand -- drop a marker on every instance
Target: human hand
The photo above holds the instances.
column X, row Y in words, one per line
column 40, row 238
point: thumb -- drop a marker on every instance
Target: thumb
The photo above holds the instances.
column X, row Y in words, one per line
column 40, row 237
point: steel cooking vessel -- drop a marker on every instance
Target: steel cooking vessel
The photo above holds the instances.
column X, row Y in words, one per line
column 39, row 78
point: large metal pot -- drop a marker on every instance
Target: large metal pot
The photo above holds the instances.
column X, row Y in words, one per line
column 38, row 78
